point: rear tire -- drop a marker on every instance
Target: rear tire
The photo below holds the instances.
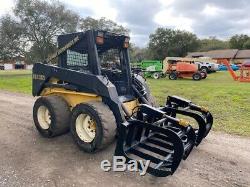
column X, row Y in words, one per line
column 197, row 76
column 156, row 75
column 173, row 76
column 204, row 75
column 51, row 115
column 204, row 69
column 98, row 131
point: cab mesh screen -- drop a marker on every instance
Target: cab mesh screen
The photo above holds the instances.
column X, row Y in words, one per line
column 76, row 59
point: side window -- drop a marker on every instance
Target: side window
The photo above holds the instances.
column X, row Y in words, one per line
column 77, row 60
column 110, row 59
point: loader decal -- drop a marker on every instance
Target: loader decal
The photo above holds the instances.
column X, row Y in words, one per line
column 38, row 77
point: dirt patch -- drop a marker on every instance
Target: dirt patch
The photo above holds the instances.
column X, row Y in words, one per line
column 27, row 159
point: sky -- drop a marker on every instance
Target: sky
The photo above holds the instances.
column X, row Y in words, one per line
column 219, row 18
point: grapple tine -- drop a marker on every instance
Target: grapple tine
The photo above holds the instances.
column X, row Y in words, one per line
column 185, row 133
column 188, row 137
column 209, row 119
column 191, row 139
column 161, row 146
column 200, row 133
column 176, row 105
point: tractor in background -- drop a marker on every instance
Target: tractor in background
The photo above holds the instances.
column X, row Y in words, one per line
column 152, row 68
column 182, row 69
column 175, row 67
column 148, row 68
column 204, row 64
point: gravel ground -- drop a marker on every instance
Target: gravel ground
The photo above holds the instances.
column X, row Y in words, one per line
column 27, row 159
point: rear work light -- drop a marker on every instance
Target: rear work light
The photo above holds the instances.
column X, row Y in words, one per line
column 99, row 38
column 126, row 43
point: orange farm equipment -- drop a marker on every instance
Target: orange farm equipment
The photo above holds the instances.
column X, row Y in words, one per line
column 244, row 71
column 184, row 70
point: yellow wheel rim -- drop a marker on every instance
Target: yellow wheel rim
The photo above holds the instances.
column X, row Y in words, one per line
column 44, row 117
column 85, row 128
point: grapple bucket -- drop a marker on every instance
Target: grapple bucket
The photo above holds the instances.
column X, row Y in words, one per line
column 176, row 105
column 148, row 136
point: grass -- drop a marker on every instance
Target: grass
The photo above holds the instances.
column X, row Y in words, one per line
column 229, row 101
column 16, row 81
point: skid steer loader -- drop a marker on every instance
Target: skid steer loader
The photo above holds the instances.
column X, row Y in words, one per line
column 92, row 93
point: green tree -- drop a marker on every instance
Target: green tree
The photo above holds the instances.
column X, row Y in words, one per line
column 247, row 44
column 102, row 24
column 138, row 54
column 11, row 43
column 237, row 41
column 39, row 22
column 167, row 42
column 212, row 43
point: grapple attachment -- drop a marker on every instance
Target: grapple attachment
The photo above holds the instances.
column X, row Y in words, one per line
column 149, row 136
column 177, row 105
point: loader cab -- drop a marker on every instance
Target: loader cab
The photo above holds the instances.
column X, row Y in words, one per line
column 99, row 53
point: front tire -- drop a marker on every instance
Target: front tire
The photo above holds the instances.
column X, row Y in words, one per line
column 173, row 76
column 150, row 98
column 51, row 115
column 156, row 75
column 93, row 126
column 197, row 76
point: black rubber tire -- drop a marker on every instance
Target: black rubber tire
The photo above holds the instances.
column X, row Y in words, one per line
column 204, row 76
column 150, row 98
column 156, row 75
column 59, row 112
column 173, row 76
column 197, row 76
column 152, row 101
column 105, row 125
column 204, row 69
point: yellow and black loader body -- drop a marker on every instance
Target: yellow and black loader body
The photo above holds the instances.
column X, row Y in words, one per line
column 93, row 67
